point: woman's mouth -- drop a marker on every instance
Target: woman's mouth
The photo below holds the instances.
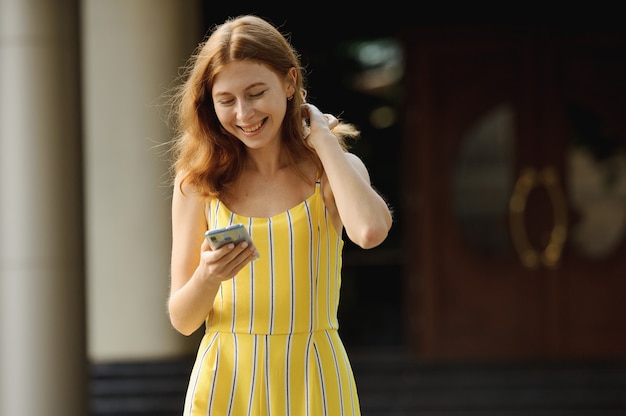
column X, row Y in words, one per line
column 252, row 128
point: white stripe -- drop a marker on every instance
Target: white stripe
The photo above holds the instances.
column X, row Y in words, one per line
column 288, row 372
column 252, row 273
column 233, row 282
column 307, row 369
column 337, row 369
column 272, row 274
column 268, row 394
column 255, row 357
column 321, row 377
column 235, row 371
column 292, row 273
column 312, row 282
column 193, row 385
column 331, row 278
column 214, row 383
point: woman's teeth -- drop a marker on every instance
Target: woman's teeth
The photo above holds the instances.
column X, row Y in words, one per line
column 253, row 128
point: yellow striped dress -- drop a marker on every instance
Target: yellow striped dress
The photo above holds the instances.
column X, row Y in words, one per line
column 271, row 345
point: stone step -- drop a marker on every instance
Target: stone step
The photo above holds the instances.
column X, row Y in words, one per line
column 393, row 384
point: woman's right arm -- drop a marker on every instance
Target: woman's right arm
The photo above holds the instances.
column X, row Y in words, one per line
column 196, row 270
column 191, row 293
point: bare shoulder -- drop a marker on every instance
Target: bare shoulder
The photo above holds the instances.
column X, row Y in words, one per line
column 187, row 203
column 183, row 188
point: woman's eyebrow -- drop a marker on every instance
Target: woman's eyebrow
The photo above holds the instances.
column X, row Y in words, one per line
column 249, row 87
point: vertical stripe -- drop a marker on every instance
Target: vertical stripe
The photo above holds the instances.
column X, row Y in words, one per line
column 233, row 283
column 271, row 278
column 268, row 383
column 253, row 377
column 292, row 309
column 311, row 255
column 288, row 380
column 319, row 299
column 322, row 387
column 307, row 374
column 214, row 383
column 233, row 303
column 219, row 307
column 292, row 273
column 208, row 213
column 328, row 270
column 337, row 369
column 234, row 375
column 252, row 283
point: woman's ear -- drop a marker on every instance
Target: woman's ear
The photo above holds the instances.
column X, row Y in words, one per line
column 292, row 77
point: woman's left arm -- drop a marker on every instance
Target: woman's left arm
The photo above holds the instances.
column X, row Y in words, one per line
column 361, row 209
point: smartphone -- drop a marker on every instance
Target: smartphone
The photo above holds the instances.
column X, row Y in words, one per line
column 235, row 234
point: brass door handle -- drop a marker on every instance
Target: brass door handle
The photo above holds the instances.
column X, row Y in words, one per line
column 529, row 178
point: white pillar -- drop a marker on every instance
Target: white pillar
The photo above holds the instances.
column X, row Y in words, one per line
column 132, row 52
column 42, row 352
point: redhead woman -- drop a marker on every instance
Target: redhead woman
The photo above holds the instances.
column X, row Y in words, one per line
column 252, row 151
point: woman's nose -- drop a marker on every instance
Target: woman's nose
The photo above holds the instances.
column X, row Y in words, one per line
column 244, row 109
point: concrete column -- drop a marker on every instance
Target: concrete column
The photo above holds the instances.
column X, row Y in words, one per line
column 132, row 52
column 42, row 352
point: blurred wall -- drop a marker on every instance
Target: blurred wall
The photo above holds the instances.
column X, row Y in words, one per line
column 42, row 319
column 131, row 55
column 85, row 207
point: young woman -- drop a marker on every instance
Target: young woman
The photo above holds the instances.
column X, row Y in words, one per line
column 252, row 151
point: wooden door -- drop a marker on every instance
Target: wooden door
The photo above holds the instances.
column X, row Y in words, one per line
column 498, row 198
column 589, row 83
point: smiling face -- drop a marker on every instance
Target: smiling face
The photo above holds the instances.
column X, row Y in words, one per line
column 250, row 101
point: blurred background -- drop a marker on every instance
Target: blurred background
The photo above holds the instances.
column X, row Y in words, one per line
column 501, row 289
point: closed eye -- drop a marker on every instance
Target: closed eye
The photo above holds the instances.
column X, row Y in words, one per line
column 257, row 95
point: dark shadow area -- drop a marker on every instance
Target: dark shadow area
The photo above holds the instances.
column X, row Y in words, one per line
column 394, row 384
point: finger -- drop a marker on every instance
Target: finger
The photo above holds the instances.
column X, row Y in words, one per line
column 332, row 120
column 240, row 261
column 239, row 252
